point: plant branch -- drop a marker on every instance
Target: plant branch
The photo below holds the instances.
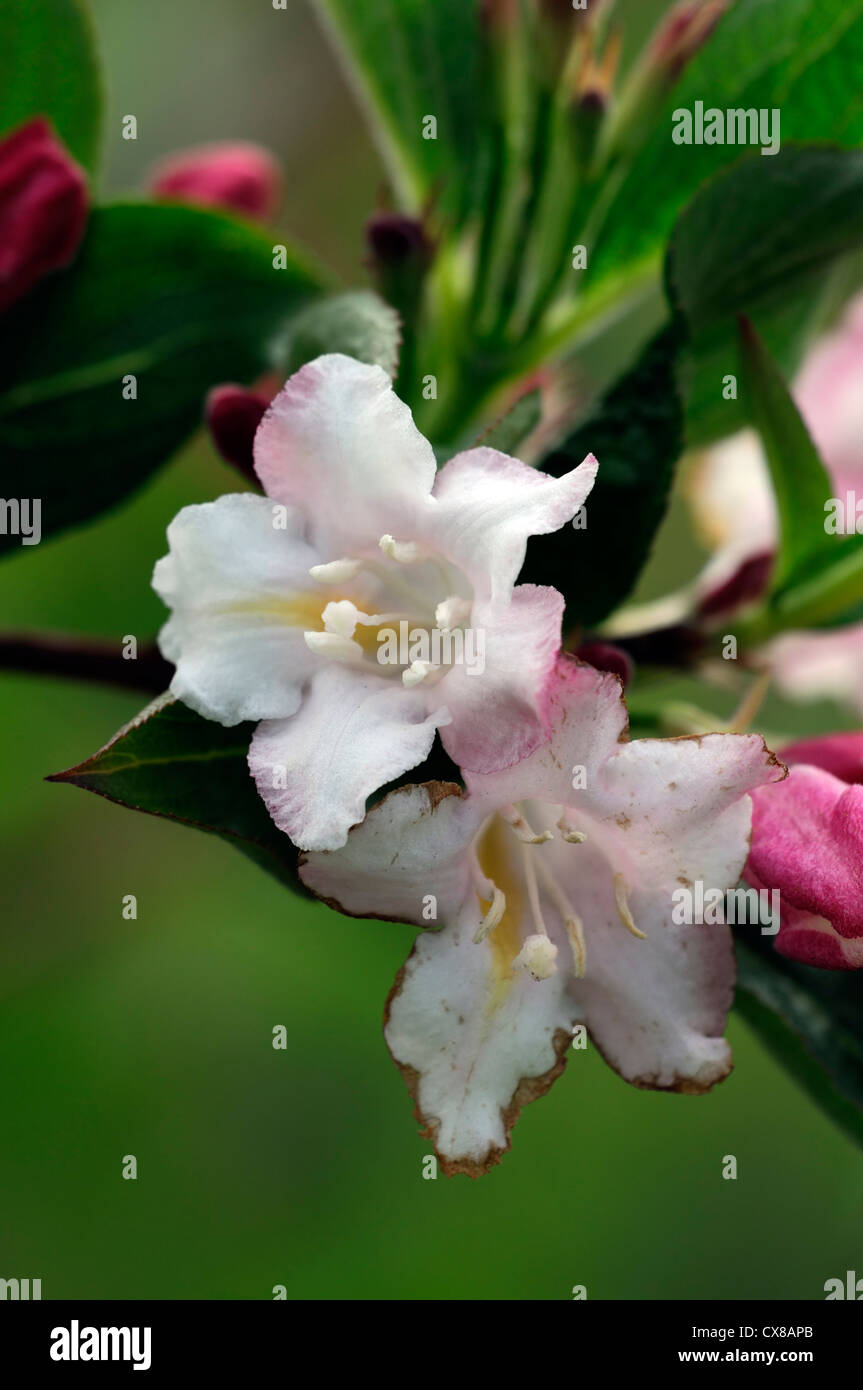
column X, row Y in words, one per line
column 85, row 658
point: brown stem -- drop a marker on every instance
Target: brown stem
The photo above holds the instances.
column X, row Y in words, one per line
column 85, row 658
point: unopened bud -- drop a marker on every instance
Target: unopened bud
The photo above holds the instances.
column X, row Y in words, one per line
column 237, row 176
column 682, row 33
column 233, row 414
column 43, row 208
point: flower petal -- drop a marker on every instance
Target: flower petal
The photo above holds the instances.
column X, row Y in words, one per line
column 354, row 733
column 656, row 1008
column 475, row 1042
column 490, row 504
column 339, row 444
column 412, row 844
column 499, row 714
column 236, row 586
column 807, row 842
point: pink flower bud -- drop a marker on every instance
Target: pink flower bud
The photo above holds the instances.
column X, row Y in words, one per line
column 233, row 414
column 238, row 177
column 43, row 208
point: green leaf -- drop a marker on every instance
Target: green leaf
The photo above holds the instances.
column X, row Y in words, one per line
column 170, row 762
column 359, row 324
column 761, row 238
column 636, row 435
column 49, row 67
column 801, row 483
column 408, row 60
column 802, row 57
column 513, row 427
column 181, row 299
column 812, row 1022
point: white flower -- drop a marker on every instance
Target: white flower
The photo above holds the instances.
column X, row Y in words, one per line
column 555, row 895
column 279, row 603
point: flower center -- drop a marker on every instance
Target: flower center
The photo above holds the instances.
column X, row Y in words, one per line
column 414, row 626
column 536, row 953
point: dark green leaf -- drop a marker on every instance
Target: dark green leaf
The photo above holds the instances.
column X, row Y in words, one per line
column 760, row 239
column 411, row 60
column 801, row 483
column 181, row 299
column 170, row 762
column 812, row 1022
column 802, row 57
column 49, row 67
column 636, row 434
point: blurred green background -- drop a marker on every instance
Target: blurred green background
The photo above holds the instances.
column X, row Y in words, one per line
column 154, row 1037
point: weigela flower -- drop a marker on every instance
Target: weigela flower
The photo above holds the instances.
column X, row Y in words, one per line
column 43, row 208
column 282, row 605
column 554, row 882
column 807, row 841
column 235, row 175
column 735, row 505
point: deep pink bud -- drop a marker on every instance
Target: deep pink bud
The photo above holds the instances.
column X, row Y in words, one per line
column 747, row 583
column 43, row 208
column 606, row 657
column 807, row 843
column 233, row 414
column 238, row 177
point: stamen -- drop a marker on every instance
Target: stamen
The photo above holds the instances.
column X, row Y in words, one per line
column 417, row 672
column 336, row 571
column 538, row 956
column 572, row 837
column 571, row 919
column 533, row 892
column 341, row 617
column 452, row 612
column 405, row 552
column 622, row 905
column 334, row 646
column 517, row 822
column 493, row 916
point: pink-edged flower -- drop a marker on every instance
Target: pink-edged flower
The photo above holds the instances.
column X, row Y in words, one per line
column 238, row 176
column 553, row 883
column 43, row 208
column 734, row 503
column 807, row 841
column 285, row 607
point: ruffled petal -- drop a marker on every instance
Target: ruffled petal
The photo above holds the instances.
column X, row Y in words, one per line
column 238, row 590
column 490, row 504
column 338, row 444
column 475, row 1042
column 353, row 734
column 499, row 713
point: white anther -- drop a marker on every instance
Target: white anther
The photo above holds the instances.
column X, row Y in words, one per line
column 341, row 617
column 336, row 571
column 622, row 904
column 572, row 837
column 525, row 832
column 334, row 646
column 405, row 552
column 452, row 612
column 417, row 672
column 538, row 957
